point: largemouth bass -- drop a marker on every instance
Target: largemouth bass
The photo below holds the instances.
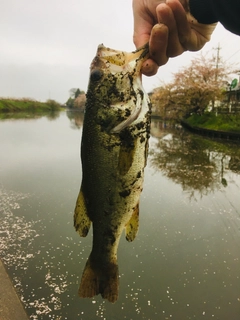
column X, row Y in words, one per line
column 113, row 152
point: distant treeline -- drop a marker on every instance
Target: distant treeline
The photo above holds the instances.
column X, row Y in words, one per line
column 28, row 105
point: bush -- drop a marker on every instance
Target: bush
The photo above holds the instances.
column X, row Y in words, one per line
column 221, row 122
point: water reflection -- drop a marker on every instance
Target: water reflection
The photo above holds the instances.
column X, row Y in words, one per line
column 197, row 164
column 185, row 261
column 51, row 115
column 76, row 118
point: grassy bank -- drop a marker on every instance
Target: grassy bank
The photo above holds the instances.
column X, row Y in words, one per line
column 9, row 105
column 221, row 122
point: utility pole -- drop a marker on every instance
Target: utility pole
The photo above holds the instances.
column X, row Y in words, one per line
column 217, row 60
column 216, row 71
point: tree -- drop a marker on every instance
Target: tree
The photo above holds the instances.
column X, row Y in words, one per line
column 70, row 103
column 80, row 101
column 75, row 92
column 192, row 88
column 77, row 99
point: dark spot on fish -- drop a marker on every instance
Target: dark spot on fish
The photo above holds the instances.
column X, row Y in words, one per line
column 141, row 93
column 134, row 181
column 122, row 96
column 125, row 193
column 96, row 75
column 142, row 139
column 85, row 231
column 140, row 125
column 127, row 112
column 126, row 138
column 131, row 79
column 139, row 174
column 110, row 147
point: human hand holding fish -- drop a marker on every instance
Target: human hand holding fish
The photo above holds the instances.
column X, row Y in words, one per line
column 169, row 28
column 114, row 150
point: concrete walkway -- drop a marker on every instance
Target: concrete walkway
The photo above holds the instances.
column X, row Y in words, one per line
column 11, row 307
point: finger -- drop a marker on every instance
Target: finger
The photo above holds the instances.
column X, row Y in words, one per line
column 166, row 16
column 182, row 24
column 158, row 44
column 192, row 35
column 143, row 23
column 141, row 34
column 149, row 68
column 157, row 49
column 140, row 39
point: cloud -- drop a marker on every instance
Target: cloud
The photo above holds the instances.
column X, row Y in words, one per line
column 41, row 82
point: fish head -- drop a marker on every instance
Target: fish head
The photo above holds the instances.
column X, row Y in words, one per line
column 115, row 61
column 115, row 87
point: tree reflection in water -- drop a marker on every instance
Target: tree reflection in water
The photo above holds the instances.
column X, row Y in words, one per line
column 196, row 163
column 76, row 118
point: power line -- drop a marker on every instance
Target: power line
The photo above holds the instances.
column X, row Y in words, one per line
column 233, row 54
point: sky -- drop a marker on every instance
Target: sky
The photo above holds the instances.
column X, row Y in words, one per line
column 46, row 46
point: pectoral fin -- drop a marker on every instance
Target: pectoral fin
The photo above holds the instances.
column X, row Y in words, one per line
column 131, row 227
column 81, row 220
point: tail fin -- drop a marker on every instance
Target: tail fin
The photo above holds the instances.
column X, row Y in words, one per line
column 101, row 279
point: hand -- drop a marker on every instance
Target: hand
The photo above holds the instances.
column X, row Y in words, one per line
column 169, row 28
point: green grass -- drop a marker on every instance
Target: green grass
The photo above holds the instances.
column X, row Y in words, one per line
column 10, row 105
column 221, row 122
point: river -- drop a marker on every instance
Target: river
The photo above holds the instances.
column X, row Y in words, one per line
column 184, row 263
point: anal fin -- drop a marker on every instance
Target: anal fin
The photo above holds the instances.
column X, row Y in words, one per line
column 82, row 222
column 131, row 228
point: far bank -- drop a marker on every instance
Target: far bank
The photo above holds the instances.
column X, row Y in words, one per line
column 27, row 105
column 223, row 126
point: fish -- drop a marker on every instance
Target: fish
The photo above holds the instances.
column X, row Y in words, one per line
column 114, row 150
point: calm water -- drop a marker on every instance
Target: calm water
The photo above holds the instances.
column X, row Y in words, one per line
column 184, row 263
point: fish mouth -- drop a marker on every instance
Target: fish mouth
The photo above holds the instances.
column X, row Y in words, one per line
column 118, row 56
column 120, row 61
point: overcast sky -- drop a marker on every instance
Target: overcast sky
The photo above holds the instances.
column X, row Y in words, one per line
column 46, row 46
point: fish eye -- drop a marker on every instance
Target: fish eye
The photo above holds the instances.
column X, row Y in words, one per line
column 96, row 75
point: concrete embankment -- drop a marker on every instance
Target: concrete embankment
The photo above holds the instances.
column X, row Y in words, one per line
column 11, row 307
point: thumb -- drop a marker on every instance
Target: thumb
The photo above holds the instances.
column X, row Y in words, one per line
column 141, row 34
column 143, row 24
